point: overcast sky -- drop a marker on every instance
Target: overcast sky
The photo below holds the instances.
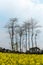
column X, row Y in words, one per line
column 22, row 9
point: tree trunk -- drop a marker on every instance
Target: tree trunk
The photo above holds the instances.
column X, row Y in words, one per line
column 12, row 35
column 28, row 39
column 20, row 43
column 32, row 39
column 35, row 41
column 16, row 44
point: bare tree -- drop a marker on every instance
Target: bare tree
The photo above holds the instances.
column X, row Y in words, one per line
column 16, row 36
column 28, row 24
column 34, row 25
column 10, row 27
column 20, row 31
column 25, row 29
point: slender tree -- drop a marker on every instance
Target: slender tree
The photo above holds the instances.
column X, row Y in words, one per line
column 25, row 29
column 16, row 36
column 20, row 31
column 10, row 27
column 28, row 24
column 34, row 26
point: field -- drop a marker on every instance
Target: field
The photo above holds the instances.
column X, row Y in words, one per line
column 20, row 59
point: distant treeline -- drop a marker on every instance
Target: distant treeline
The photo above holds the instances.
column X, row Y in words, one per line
column 31, row 51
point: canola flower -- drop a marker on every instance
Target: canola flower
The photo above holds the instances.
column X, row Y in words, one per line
column 20, row 59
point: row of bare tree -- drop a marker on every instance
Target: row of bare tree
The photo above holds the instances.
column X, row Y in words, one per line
column 22, row 33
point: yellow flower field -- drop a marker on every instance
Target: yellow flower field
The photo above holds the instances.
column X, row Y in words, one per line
column 20, row 59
